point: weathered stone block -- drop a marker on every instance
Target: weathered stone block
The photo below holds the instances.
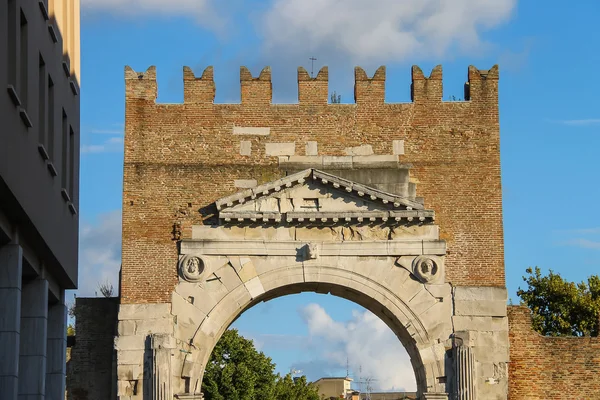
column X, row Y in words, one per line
column 389, row 161
column 490, row 308
column 491, row 354
column 469, row 323
column 125, row 328
column 477, row 293
column 398, row 147
column 363, row 150
column 311, row 148
column 133, row 342
column 337, row 161
column 135, row 357
column 130, row 372
column 245, row 148
column 255, row 287
column 256, row 131
column 245, row 183
column 280, row 149
column 144, row 311
column 149, row 326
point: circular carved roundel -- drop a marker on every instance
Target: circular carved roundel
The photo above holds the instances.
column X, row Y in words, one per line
column 191, row 268
column 425, row 269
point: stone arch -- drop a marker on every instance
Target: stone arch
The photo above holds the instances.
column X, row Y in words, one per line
column 419, row 315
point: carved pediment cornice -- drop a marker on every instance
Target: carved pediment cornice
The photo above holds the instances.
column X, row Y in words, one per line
column 356, row 203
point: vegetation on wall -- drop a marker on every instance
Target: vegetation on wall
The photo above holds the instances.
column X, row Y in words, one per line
column 560, row 307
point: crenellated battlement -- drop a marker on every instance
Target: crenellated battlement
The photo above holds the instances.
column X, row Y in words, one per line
column 198, row 90
column 482, row 85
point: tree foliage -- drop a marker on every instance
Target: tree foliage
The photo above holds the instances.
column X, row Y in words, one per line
column 559, row 307
column 106, row 289
column 237, row 371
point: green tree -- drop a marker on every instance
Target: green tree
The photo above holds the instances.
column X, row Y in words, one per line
column 288, row 388
column 559, row 307
column 237, row 371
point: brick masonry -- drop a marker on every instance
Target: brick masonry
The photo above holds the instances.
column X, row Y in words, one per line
column 179, row 158
column 546, row 368
column 91, row 372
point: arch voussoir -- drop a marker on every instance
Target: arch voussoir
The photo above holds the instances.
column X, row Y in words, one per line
column 399, row 309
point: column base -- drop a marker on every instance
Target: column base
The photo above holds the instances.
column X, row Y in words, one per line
column 189, row 396
column 434, row 396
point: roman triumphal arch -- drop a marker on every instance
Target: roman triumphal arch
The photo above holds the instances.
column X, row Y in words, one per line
column 310, row 231
column 396, row 207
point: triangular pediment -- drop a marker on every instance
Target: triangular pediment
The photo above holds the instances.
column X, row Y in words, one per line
column 312, row 196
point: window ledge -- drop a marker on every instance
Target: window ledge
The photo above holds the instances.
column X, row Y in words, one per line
column 72, row 208
column 43, row 9
column 43, row 152
column 51, row 169
column 66, row 68
column 65, row 195
column 25, row 118
column 14, row 96
column 52, row 33
column 73, row 87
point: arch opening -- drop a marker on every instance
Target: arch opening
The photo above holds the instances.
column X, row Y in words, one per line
column 323, row 335
column 398, row 309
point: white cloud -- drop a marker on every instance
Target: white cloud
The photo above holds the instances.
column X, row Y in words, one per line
column 107, row 131
column 201, row 10
column 581, row 122
column 110, row 145
column 387, row 30
column 583, row 243
column 365, row 341
column 359, row 30
column 133, row 7
column 580, row 231
column 99, row 253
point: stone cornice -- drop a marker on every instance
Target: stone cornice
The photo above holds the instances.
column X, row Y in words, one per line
column 289, row 248
column 409, row 216
column 395, row 208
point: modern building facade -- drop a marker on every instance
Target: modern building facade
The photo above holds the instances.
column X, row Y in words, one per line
column 39, row 191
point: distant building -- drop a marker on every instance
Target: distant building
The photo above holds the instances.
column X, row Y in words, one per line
column 340, row 388
column 390, row 396
column 336, row 387
column 39, row 192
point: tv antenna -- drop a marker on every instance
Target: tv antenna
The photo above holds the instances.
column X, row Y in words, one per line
column 365, row 384
column 312, row 66
column 347, row 367
column 295, row 371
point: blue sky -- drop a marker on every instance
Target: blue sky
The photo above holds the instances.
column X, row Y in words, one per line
column 550, row 125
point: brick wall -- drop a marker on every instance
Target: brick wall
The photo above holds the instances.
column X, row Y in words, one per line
column 546, row 368
column 91, row 374
column 179, row 158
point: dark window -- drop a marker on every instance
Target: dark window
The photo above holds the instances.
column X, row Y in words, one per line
column 72, row 163
column 51, row 119
column 12, row 42
column 42, row 98
column 23, row 61
column 65, row 151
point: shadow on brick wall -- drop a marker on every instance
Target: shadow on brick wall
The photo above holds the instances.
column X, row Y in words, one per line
column 91, row 369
